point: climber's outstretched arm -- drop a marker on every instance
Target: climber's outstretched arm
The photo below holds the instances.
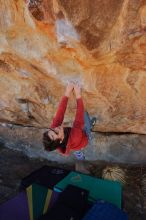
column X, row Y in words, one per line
column 79, row 118
column 59, row 116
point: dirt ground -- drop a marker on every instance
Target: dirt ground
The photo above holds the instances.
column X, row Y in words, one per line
column 14, row 165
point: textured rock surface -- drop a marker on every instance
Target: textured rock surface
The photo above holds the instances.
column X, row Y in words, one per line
column 45, row 43
column 124, row 148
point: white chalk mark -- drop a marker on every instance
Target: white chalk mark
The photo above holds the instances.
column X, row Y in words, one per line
column 24, row 73
column 65, row 31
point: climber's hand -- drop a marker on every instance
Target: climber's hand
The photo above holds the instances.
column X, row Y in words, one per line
column 77, row 89
column 69, row 89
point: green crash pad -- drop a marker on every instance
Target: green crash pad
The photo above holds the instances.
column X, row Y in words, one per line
column 38, row 200
column 109, row 191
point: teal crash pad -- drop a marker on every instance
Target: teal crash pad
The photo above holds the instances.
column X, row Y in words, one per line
column 106, row 190
column 39, row 198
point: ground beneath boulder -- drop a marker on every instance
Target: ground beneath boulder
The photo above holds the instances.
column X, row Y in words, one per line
column 15, row 165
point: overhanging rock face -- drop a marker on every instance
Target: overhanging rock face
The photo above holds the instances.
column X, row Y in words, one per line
column 102, row 44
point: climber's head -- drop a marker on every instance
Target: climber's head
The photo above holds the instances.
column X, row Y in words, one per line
column 56, row 137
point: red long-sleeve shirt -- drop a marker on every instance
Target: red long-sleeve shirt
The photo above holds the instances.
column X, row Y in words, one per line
column 77, row 137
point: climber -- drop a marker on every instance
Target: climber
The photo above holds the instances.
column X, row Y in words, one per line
column 75, row 138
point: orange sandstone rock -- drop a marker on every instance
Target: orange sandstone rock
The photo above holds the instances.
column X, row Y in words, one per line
column 102, row 44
